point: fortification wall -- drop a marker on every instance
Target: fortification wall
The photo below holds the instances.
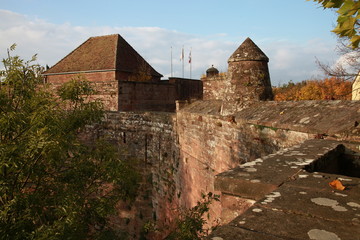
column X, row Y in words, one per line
column 214, row 87
column 249, row 80
column 187, row 88
column 179, row 154
column 147, row 96
column 149, row 141
column 216, row 136
column 157, row 96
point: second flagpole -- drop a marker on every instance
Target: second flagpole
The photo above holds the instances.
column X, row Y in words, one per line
column 190, row 61
column 182, row 62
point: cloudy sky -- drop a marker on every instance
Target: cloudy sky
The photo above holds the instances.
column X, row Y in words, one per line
column 292, row 33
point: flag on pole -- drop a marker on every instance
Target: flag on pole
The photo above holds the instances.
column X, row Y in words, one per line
column 190, row 57
column 182, row 54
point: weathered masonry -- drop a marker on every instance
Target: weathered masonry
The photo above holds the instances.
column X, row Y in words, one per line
column 271, row 162
column 268, row 155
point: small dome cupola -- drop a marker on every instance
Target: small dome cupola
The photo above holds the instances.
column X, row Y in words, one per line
column 212, row 71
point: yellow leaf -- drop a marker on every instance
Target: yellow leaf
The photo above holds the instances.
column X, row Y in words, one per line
column 336, row 184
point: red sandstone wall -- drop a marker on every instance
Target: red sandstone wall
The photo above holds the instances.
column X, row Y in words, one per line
column 125, row 76
column 92, row 77
column 250, row 80
column 104, row 84
column 133, row 95
column 149, row 141
column 143, row 96
column 211, row 144
column 214, row 88
column 187, row 88
column 179, row 156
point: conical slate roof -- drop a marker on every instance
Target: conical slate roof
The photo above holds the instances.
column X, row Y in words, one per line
column 248, row 51
column 110, row 52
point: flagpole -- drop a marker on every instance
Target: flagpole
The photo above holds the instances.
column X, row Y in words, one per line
column 171, row 62
column 182, row 61
column 190, row 70
column 190, row 61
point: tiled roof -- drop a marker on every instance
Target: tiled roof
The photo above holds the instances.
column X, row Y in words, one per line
column 110, row 52
column 248, row 51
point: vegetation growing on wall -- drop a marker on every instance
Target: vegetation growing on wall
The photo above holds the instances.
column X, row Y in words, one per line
column 52, row 184
column 190, row 222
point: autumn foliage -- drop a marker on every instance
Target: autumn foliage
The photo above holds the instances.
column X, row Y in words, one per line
column 326, row 89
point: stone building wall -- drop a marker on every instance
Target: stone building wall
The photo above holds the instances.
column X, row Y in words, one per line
column 133, row 95
column 249, row 80
column 157, row 96
column 103, row 82
column 214, row 87
column 145, row 96
column 187, row 89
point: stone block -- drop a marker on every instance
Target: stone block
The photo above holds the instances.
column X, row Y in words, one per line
column 276, row 223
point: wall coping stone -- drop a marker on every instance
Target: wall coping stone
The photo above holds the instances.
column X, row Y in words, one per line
column 338, row 119
column 297, row 204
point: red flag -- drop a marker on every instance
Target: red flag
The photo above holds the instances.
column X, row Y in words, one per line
column 190, row 57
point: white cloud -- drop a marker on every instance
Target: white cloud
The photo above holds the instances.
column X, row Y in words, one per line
column 349, row 62
column 296, row 61
column 52, row 42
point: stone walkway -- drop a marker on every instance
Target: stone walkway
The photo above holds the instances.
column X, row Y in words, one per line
column 293, row 197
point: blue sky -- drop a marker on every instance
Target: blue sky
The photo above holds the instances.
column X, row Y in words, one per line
column 291, row 32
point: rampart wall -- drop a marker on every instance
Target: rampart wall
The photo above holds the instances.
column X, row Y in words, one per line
column 146, row 96
column 180, row 153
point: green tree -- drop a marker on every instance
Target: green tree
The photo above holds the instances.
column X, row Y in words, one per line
column 348, row 18
column 53, row 185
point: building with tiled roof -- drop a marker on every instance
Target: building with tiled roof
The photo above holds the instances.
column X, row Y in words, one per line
column 104, row 54
column 124, row 80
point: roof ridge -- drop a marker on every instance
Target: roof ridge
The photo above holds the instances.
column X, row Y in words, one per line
column 108, row 35
column 116, row 50
column 139, row 58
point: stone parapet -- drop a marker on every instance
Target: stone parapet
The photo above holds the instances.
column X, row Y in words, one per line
column 297, row 202
column 338, row 119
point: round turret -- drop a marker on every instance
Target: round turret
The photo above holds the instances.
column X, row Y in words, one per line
column 249, row 74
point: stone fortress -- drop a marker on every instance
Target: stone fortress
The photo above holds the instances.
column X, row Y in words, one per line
column 271, row 162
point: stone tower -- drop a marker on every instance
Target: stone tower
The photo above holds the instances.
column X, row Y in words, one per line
column 248, row 74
